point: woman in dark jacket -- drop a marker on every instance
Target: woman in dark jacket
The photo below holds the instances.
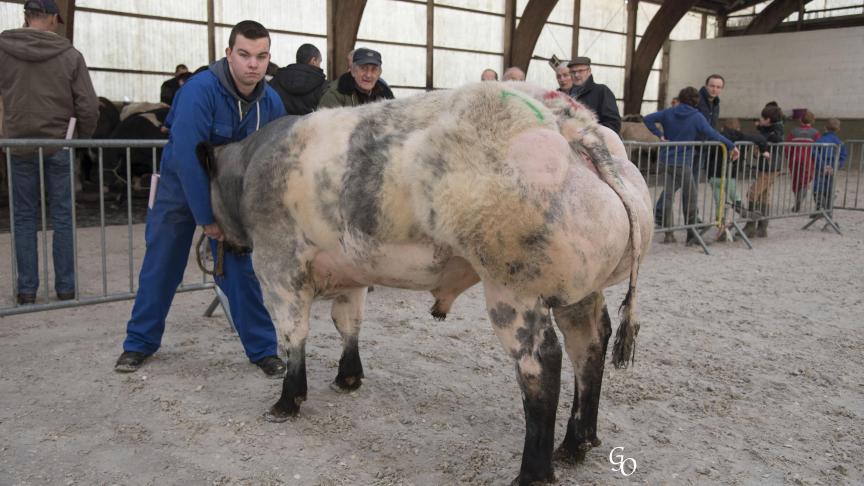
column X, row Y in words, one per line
column 682, row 123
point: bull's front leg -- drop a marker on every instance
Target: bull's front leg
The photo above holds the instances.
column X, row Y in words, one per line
column 347, row 313
column 586, row 328
column 524, row 326
column 290, row 312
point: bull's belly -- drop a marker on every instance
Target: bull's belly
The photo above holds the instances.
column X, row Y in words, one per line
column 413, row 266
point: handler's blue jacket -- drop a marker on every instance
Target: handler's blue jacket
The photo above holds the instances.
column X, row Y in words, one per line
column 682, row 123
column 209, row 108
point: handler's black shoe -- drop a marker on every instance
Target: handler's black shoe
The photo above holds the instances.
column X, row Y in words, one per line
column 130, row 361
column 26, row 299
column 272, row 366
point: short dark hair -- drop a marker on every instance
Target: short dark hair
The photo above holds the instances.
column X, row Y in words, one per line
column 689, row 96
column 715, row 76
column 249, row 29
column 772, row 113
column 306, row 53
column 179, row 66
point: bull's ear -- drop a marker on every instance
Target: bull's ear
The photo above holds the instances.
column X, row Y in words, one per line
column 207, row 157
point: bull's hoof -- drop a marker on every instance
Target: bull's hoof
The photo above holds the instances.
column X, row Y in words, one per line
column 438, row 316
column 280, row 412
column 542, row 480
column 569, row 454
column 346, row 384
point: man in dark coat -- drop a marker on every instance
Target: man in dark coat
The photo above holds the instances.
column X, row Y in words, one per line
column 598, row 97
column 301, row 85
column 172, row 86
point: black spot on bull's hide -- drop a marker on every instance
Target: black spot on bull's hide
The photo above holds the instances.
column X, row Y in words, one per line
column 536, row 240
column 368, row 156
column 502, row 315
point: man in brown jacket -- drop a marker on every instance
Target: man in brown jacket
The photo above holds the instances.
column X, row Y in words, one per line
column 44, row 83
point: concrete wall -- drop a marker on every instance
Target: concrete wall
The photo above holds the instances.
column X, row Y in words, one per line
column 818, row 70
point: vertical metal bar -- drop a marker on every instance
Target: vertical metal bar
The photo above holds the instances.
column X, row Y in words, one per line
column 45, row 284
column 102, row 224
column 74, row 219
column 129, row 214
column 430, row 44
column 12, row 222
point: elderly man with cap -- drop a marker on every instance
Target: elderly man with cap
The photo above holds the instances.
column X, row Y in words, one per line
column 361, row 85
column 45, row 85
column 598, row 97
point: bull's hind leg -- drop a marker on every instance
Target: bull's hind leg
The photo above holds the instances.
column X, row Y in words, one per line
column 524, row 326
column 347, row 313
column 586, row 328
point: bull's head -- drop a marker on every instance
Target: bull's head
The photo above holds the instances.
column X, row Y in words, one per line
column 226, row 191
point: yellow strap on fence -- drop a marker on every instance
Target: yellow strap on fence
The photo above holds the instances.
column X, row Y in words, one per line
column 722, row 204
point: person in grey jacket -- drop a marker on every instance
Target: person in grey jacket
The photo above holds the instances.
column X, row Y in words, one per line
column 44, row 84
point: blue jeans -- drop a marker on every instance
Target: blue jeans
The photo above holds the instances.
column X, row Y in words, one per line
column 27, row 200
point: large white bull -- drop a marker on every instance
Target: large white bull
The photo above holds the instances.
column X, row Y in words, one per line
column 500, row 183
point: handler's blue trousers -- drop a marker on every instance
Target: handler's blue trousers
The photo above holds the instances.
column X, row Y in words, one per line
column 169, row 232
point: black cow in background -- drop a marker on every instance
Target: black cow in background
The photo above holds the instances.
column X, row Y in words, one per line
column 137, row 125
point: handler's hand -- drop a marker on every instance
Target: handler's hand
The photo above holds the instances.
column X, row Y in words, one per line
column 213, row 231
column 828, row 170
column 767, row 155
column 735, row 153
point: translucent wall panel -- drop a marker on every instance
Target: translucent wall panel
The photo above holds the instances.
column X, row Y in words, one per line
column 308, row 16
column 541, row 74
column 604, row 14
column 402, row 65
column 453, row 69
column 711, row 30
column 644, row 15
column 119, row 86
column 186, row 9
column 562, row 13
column 602, row 47
column 554, row 39
column 283, row 47
column 651, row 88
column 495, row 6
column 406, row 92
column 388, row 20
column 468, row 30
column 11, row 15
column 111, row 41
column 688, row 28
column 649, row 107
column 612, row 77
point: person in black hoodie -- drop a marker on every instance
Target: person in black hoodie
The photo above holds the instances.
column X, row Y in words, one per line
column 301, row 85
column 770, row 126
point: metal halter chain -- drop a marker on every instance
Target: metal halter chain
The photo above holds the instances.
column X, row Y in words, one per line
column 219, row 257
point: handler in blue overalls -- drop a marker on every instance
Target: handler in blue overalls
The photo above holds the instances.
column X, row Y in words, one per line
column 224, row 104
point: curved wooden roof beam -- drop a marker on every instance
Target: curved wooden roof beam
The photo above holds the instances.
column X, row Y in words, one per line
column 525, row 38
column 652, row 41
column 343, row 23
column 773, row 15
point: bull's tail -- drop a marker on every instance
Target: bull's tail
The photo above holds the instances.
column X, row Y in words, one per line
column 582, row 136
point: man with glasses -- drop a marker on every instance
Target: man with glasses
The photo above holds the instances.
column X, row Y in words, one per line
column 598, row 97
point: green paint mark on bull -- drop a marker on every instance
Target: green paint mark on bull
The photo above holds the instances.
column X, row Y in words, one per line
column 539, row 114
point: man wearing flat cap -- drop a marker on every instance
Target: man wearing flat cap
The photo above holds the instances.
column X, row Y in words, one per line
column 44, row 84
column 361, row 85
column 598, row 97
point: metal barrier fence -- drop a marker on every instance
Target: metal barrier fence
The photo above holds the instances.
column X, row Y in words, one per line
column 738, row 198
column 132, row 155
column 850, row 183
column 741, row 197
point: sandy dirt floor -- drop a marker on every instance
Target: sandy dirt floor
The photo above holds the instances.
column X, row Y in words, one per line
column 749, row 371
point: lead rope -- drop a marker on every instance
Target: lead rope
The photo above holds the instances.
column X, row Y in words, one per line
column 219, row 257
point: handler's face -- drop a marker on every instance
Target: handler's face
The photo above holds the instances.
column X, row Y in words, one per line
column 366, row 75
column 248, row 61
